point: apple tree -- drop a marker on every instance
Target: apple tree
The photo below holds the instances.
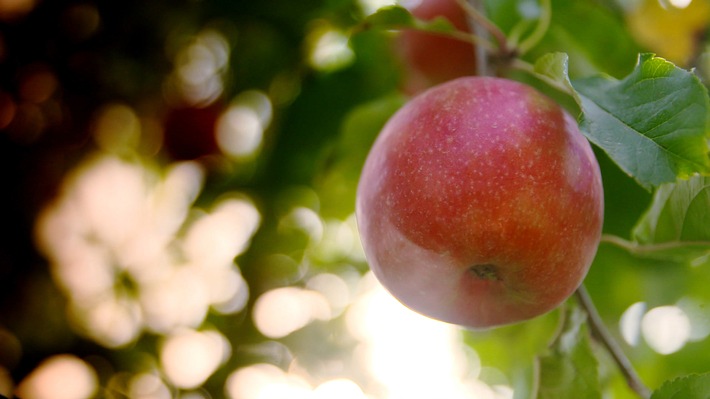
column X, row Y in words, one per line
column 228, row 198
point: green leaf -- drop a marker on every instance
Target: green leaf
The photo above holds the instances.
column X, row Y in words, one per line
column 676, row 226
column 679, row 212
column 398, row 17
column 554, row 69
column 653, row 124
column 389, row 17
column 696, row 386
column 569, row 369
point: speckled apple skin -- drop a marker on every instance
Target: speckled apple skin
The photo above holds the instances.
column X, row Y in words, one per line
column 480, row 203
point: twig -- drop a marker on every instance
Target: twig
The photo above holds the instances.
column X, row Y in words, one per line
column 602, row 334
column 476, row 11
column 478, row 30
column 642, row 249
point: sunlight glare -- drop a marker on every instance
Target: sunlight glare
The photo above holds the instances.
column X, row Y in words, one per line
column 411, row 355
column 60, row 377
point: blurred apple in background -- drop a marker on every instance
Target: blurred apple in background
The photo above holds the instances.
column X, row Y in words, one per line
column 190, row 131
column 429, row 59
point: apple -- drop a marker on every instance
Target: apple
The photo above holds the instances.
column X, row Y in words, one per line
column 480, row 203
column 429, row 59
column 189, row 131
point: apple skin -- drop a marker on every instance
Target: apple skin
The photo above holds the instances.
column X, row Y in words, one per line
column 480, row 203
column 429, row 59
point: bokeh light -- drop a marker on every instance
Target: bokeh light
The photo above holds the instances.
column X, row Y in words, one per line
column 677, row 3
column 666, row 329
column 60, row 377
column 240, row 129
column 200, row 65
column 148, row 386
column 281, row 311
column 329, row 48
column 370, row 6
column 189, row 357
column 630, row 323
column 117, row 128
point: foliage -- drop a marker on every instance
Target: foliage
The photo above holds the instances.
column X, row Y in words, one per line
column 263, row 225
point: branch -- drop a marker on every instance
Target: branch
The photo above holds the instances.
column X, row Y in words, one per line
column 643, row 249
column 602, row 334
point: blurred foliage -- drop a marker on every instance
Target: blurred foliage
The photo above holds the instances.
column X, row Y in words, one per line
column 149, row 86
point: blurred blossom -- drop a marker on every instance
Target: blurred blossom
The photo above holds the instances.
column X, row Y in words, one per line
column 189, row 357
column 412, row 356
column 59, row 377
column 123, row 251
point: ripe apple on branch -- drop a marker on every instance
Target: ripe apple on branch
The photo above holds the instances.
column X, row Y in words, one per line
column 481, row 201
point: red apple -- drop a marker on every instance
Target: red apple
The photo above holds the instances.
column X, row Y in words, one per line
column 429, row 59
column 480, row 203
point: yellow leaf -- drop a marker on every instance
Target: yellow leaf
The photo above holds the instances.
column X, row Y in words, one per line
column 672, row 32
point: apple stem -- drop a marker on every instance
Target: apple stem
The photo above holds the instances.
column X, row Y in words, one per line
column 482, row 27
column 603, row 335
column 482, row 61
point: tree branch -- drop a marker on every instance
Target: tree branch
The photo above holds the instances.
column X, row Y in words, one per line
column 602, row 334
